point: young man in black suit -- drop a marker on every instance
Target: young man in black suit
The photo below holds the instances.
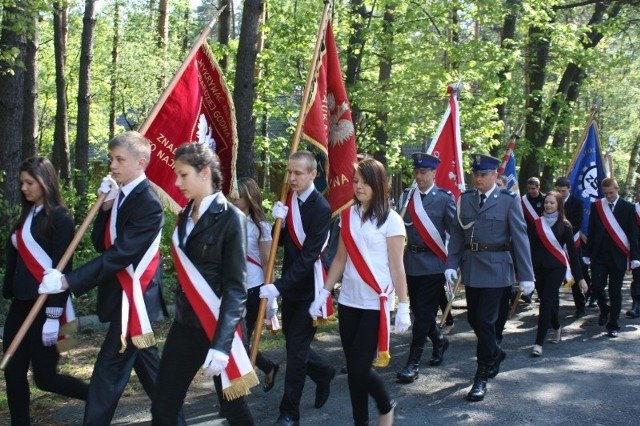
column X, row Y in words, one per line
column 126, row 233
column 297, row 284
column 612, row 248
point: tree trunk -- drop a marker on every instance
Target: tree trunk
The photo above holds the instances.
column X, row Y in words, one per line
column 30, row 112
column 84, row 106
column 115, row 45
column 224, row 25
column 60, row 155
column 244, row 86
column 163, row 39
column 632, row 183
column 355, row 51
column 384, row 75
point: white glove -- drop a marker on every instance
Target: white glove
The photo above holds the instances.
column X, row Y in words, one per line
column 450, row 275
column 635, row 264
column 269, row 291
column 527, row 287
column 280, row 211
column 110, row 187
column 315, row 310
column 50, row 331
column 403, row 319
column 272, row 309
column 51, row 282
column 586, row 260
column 216, row 362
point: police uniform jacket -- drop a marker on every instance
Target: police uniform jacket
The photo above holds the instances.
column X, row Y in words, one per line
column 441, row 209
column 500, row 222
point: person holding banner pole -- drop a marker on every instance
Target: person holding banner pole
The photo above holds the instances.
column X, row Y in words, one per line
column 552, row 266
column 634, row 312
column 128, row 276
column 427, row 218
column 37, row 242
column 369, row 261
column 611, row 249
column 209, row 252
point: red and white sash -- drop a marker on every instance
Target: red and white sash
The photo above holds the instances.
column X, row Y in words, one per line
column 613, row 227
column 357, row 250
column 134, row 282
column 238, row 378
column 425, row 227
column 37, row 261
column 553, row 246
column 529, row 212
column 297, row 234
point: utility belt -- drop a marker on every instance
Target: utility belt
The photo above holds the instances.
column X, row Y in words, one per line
column 417, row 249
column 475, row 246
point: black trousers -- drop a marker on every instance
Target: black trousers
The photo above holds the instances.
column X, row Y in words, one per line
column 483, row 305
column 43, row 361
column 548, row 282
column 607, row 274
column 635, row 285
column 503, row 312
column 253, row 303
column 184, row 352
column 425, row 293
column 302, row 361
column 111, row 374
column 359, row 336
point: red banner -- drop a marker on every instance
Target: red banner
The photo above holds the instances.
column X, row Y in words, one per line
column 328, row 125
column 447, row 146
column 198, row 109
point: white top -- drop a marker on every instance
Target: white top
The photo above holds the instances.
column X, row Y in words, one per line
column 255, row 275
column 354, row 291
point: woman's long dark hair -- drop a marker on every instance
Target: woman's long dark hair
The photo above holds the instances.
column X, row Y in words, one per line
column 248, row 189
column 200, row 156
column 40, row 169
column 374, row 175
column 558, row 227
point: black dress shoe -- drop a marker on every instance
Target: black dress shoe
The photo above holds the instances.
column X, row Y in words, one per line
column 437, row 356
column 344, row 370
column 580, row 313
column 323, row 390
column 613, row 333
column 478, row 390
column 631, row 314
column 286, row 421
column 274, row 371
column 495, row 368
column 409, row 373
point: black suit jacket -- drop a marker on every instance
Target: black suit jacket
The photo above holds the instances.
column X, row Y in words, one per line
column 217, row 246
column 139, row 221
column 297, row 282
column 600, row 246
column 543, row 258
column 573, row 212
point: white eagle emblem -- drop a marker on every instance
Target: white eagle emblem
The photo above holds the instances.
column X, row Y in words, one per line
column 205, row 133
column 340, row 130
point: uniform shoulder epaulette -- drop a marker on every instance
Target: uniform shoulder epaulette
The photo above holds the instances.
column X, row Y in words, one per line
column 510, row 193
column 446, row 191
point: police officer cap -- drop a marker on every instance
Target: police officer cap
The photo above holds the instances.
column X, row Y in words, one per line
column 424, row 161
column 481, row 163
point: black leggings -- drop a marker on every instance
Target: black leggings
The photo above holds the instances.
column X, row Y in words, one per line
column 548, row 281
column 253, row 303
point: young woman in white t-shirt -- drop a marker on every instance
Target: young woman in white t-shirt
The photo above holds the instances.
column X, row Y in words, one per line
column 258, row 247
column 379, row 235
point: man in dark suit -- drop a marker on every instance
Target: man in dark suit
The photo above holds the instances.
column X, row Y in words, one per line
column 612, row 247
column 127, row 247
column 573, row 213
column 426, row 209
column 297, row 284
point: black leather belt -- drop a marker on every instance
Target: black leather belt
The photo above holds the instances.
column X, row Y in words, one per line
column 488, row 247
column 417, row 249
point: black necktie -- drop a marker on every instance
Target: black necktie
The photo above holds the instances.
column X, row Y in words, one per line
column 611, row 206
column 299, row 202
column 120, row 198
column 482, row 198
column 422, row 195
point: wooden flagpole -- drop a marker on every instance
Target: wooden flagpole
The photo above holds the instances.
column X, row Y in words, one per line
column 277, row 227
column 511, row 146
column 22, row 331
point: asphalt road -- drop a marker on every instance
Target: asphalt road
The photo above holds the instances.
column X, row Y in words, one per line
column 587, row 379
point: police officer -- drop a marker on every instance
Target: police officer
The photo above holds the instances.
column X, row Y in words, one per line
column 489, row 224
column 427, row 213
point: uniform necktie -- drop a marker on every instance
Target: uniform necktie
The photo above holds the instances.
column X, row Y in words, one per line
column 300, row 202
column 611, row 206
column 422, row 195
column 120, row 198
column 483, row 197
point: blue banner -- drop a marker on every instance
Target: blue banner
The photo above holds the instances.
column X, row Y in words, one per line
column 511, row 174
column 586, row 173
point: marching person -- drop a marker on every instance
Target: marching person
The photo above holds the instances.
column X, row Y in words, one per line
column 509, row 293
column 369, row 262
column 612, row 247
column 634, row 312
column 306, row 217
column 489, row 224
column 551, row 266
column 209, row 247
column 428, row 215
column 37, row 242
column 258, row 248
column 532, row 207
column 127, row 234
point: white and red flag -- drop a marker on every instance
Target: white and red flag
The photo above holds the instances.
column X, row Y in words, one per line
column 328, row 125
column 447, row 146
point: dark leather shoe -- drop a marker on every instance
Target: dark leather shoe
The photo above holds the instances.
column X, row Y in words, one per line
column 631, row 314
column 580, row 313
column 409, row 373
column 344, row 370
column 478, row 390
column 274, row 371
column 286, row 421
column 495, row 368
column 613, row 333
column 323, row 390
column 437, row 356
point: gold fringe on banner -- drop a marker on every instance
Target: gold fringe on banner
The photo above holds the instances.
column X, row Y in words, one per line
column 69, row 328
column 69, row 342
column 382, row 360
column 241, row 386
column 144, row 341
